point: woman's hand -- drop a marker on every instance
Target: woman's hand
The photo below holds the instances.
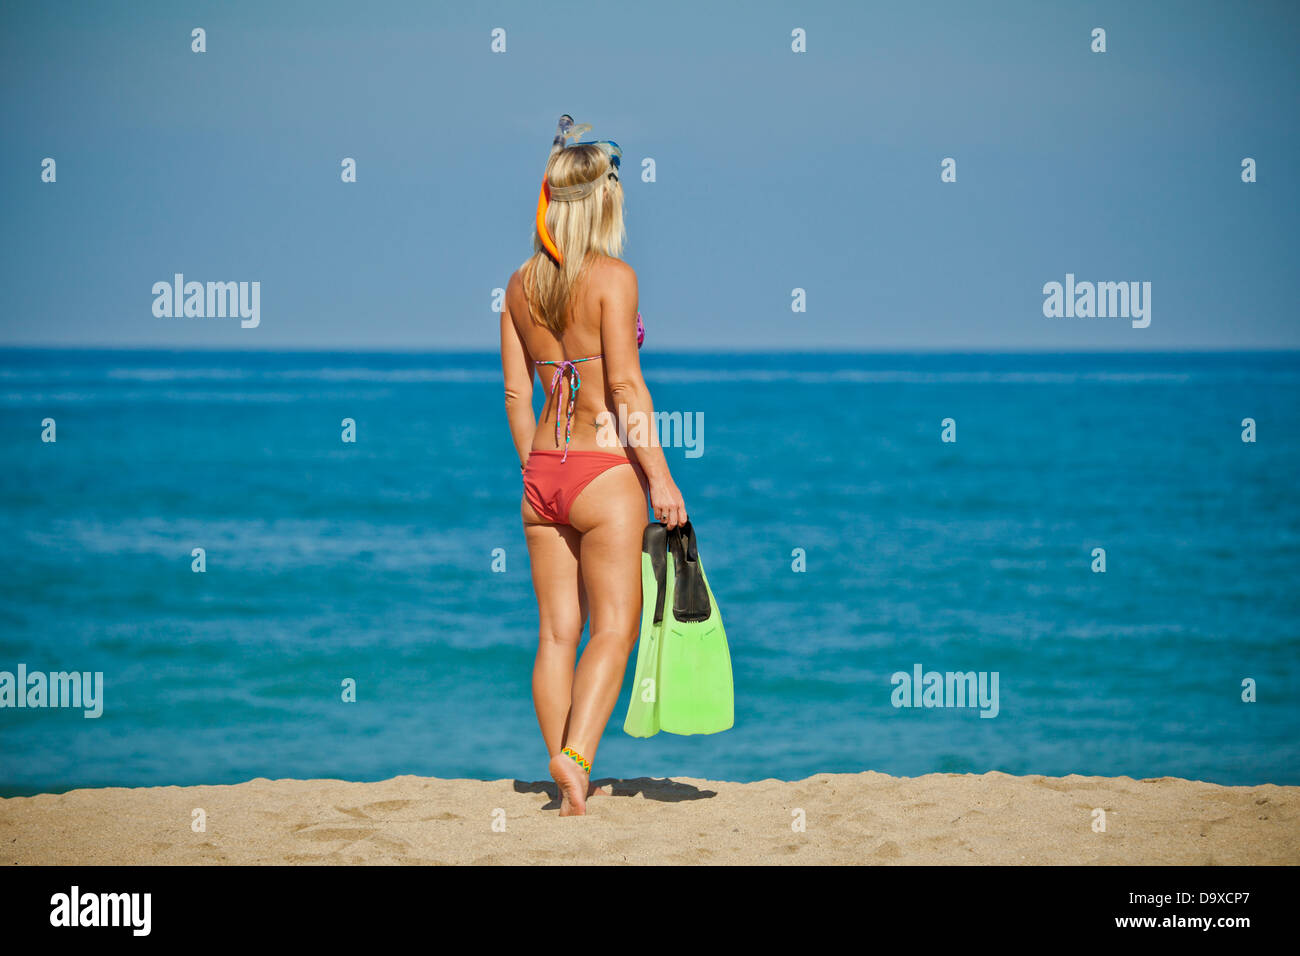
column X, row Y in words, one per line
column 667, row 502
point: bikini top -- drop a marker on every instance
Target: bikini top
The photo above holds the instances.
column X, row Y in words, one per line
column 569, row 367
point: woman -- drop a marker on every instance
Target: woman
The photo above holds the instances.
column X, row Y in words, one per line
column 571, row 316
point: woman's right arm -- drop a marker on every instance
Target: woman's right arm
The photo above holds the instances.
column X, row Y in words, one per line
column 517, row 368
column 629, row 391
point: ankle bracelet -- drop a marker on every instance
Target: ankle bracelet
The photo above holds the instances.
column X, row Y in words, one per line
column 577, row 758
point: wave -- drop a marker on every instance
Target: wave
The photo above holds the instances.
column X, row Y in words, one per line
column 153, row 375
column 483, row 370
column 172, row 395
column 913, row 377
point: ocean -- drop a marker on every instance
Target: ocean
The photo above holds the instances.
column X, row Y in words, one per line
column 845, row 540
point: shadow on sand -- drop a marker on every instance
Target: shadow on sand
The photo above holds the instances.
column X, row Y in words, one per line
column 665, row 791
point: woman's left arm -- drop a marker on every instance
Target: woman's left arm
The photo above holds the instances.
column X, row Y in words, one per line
column 517, row 366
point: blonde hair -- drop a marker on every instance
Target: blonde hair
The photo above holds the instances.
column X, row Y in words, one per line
column 579, row 228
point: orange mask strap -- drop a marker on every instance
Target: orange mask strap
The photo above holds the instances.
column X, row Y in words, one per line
column 543, row 203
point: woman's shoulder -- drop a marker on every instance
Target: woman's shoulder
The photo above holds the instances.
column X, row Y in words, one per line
column 603, row 274
column 515, row 285
column 517, row 277
column 612, row 272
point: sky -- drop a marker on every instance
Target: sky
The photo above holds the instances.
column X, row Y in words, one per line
column 773, row 170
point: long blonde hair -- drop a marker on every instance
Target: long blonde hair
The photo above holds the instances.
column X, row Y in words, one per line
column 579, row 228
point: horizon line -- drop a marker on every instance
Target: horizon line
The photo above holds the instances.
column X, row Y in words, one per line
column 710, row 350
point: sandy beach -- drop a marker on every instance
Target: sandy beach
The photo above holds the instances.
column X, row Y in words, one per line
column 866, row 818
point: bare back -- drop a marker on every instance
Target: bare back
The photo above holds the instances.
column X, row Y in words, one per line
column 581, row 340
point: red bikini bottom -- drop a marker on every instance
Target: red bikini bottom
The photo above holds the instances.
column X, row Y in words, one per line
column 551, row 486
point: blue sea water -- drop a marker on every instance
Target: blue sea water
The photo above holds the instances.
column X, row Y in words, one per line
column 373, row 561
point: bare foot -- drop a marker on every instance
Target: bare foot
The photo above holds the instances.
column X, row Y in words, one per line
column 573, row 785
column 592, row 790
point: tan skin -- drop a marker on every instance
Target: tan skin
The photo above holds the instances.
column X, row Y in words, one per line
column 590, row 567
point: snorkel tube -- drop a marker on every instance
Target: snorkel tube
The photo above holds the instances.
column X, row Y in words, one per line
column 563, row 130
column 566, row 130
column 543, row 203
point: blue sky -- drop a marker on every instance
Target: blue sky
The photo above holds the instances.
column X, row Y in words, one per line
column 775, row 170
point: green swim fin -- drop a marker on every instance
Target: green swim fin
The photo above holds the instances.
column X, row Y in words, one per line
column 695, row 690
column 643, row 707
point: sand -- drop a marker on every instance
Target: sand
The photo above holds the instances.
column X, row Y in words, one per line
column 867, row 818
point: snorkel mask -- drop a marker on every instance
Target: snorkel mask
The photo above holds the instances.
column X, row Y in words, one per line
column 565, row 131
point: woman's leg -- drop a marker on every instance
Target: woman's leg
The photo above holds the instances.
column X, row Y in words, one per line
column 561, row 607
column 611, row 514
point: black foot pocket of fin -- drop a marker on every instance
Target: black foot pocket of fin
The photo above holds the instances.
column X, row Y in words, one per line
column 654, row 542
column 691, row 599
